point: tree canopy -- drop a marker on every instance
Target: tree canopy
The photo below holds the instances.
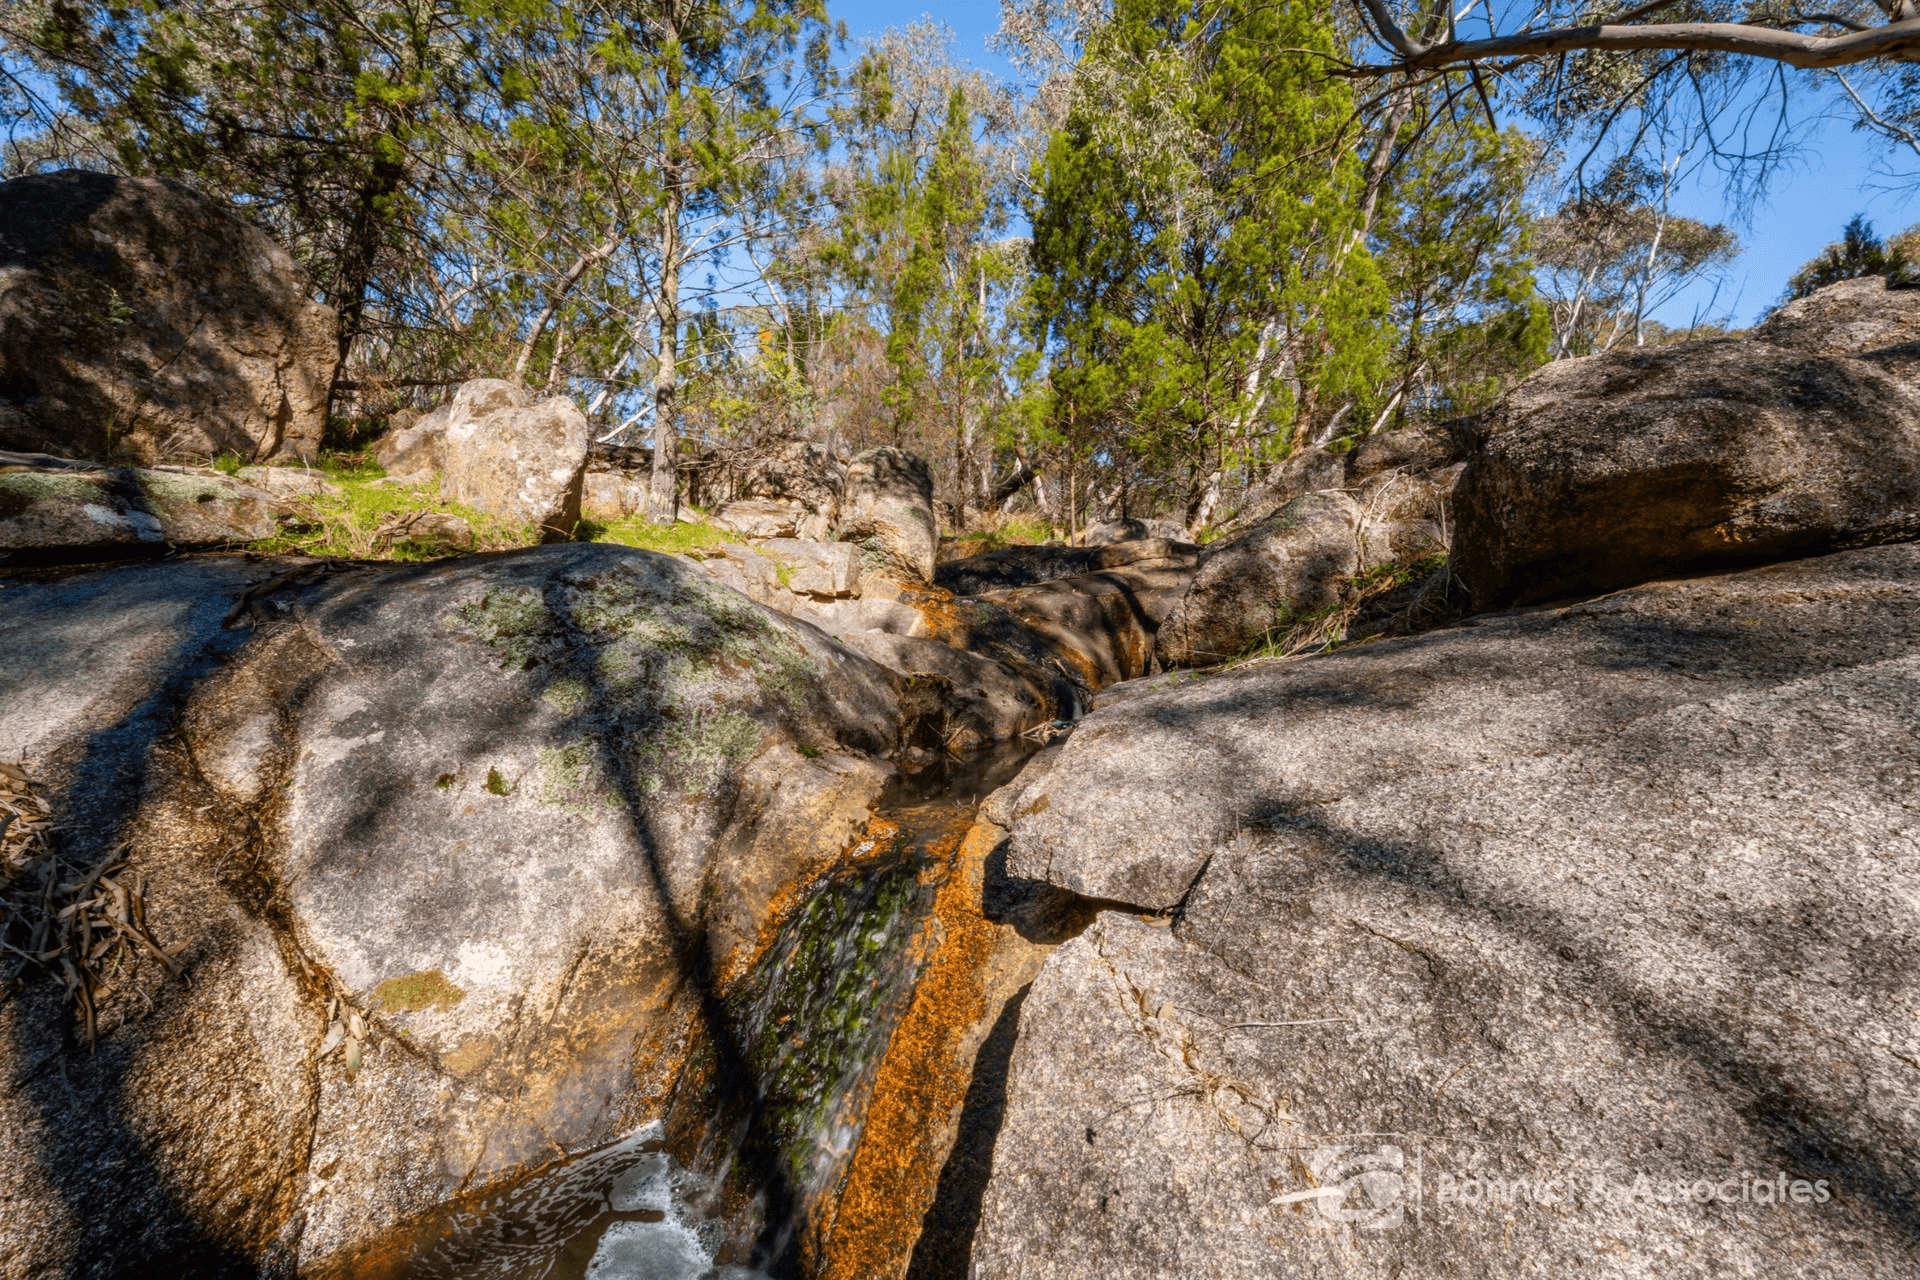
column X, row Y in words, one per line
column 1201, row 235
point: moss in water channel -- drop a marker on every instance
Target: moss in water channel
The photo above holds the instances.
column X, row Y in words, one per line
column 820, row 1004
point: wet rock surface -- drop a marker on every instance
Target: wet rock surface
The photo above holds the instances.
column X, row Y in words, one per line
column 1617, row 890
column 141, row 321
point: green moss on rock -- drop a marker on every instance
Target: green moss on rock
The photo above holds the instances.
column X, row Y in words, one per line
column 417, row 991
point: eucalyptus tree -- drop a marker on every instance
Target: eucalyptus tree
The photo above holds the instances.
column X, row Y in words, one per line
column 1453, row 237
column 650, row 145
column 1614, row 253
column 923, row 193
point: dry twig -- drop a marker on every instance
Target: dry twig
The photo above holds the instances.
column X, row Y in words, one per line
column 84, row 925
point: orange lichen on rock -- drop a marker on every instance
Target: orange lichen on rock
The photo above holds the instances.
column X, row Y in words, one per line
column 921, row 1085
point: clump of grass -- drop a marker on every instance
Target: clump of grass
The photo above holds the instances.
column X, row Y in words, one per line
column 417, row 991
column 1327, row 629
column 368, row 521
column 999, row 532
column 229, row 463
column 637, row 531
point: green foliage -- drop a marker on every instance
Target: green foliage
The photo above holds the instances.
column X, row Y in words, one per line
column 309, row 112
column 934, row 293
column 1858, row 252
column 117, row 313
column 677, row 538
column 1199, row 227
column 1452, row 241
column 367, row 520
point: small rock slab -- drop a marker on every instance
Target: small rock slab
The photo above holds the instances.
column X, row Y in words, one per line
column 816, row 568
column 58, row 510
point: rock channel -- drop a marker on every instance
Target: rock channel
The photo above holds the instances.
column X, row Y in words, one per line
column 486, row 916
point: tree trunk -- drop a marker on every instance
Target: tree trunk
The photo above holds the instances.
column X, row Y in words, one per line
column 1004, row 491
column 663, row 504
column 581, row 265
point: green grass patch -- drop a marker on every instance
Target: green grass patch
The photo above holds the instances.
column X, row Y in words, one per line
column 637, row 531
column 1011, row 531
column 366, row 521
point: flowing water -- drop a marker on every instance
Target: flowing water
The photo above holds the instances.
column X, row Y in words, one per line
column 756, row 1193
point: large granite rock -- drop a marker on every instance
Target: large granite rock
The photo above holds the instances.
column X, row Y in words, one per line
column 414, row 450
column 141, row 321
column 59, row 510
column 887, row 507
column 505, row 824
column 827, row 569
column 1615, row 469
column 1357, row 468
column 507, row 455
column 1535, row 947
column 1265, row 581
column 1101, row 626
column 1848, row 318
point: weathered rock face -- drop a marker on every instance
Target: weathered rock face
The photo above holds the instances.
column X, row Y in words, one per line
column 514, row 818
column 1848, row 318
column 827, row 569
column 1615, row 469
column 612, row 494
column 789, row 489
column 887, row 507
column 1011, row 567
column 57, row 510
column 1108, row 532
column 1264, row 581
column 1102, row 625
column 141, row 321
column 1616, row 890
column 512, row 458
column 1367, row 465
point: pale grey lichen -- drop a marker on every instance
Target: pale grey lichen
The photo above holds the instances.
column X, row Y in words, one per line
column 511, row 623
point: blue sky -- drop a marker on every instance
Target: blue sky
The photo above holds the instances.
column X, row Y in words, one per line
column 1838, row 173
